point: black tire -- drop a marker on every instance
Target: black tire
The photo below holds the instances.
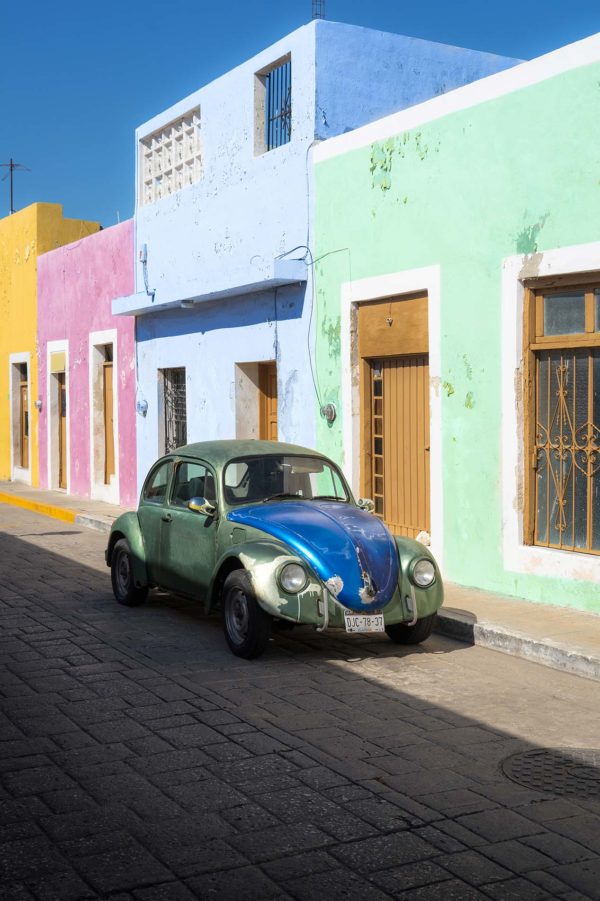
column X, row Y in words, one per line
column 121, row 574
column 403, row 634
column 246, row 625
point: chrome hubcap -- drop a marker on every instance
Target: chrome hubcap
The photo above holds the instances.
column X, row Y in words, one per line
column 236, row 616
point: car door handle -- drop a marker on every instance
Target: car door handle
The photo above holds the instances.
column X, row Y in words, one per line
column 166, row 517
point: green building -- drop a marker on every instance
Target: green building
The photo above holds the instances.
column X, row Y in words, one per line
column 457, row 261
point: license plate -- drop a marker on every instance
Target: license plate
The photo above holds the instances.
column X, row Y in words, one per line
column 364, row 622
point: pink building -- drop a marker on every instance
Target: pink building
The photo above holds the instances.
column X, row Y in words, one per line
column 86, row 360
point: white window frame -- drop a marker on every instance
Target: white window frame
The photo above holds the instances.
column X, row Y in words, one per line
column 519, row 557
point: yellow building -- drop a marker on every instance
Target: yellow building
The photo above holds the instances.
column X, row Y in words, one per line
column 23, row 237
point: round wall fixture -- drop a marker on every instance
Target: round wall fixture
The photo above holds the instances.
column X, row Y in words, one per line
column 329, row 412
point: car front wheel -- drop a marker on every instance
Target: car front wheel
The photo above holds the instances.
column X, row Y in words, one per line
column 121, row 574
column 400, row 633
column 247, row 626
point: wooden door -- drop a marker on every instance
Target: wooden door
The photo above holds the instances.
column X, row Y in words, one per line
column 393, row 337
column 399, row 438
column 267, row 383
column 62, row 430
column 24, row 426
column 109, row 434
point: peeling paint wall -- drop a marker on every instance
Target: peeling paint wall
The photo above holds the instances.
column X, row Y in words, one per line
column 464, row 191
column 23, row 237
column 76, row 286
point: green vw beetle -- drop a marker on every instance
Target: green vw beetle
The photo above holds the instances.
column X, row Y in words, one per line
column 271, row 533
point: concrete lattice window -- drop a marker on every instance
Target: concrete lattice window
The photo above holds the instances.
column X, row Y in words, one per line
column 170, row 158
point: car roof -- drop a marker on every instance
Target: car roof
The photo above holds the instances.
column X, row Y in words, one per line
column 220, row 452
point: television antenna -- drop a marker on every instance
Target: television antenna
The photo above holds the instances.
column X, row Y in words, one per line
column 11, row 166
column 318, row 9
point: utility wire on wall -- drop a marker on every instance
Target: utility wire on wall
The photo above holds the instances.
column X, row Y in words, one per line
column 326, row 410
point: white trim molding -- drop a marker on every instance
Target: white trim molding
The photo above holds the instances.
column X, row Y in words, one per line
column 410, row 281
column 57, row 347
column 519, row 557
column 572, row 56
column 98, row 490
column 18, row 473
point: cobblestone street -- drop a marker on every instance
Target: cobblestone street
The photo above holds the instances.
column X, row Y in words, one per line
column 140, row 760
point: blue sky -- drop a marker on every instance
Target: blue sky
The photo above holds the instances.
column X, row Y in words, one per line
column 77, row 78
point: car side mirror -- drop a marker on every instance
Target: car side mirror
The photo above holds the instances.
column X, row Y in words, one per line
column 201, row 505
column 365, row 503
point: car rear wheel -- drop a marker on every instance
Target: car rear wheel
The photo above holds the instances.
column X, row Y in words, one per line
column 247, row 626
column 400, row 633
column 121, row 574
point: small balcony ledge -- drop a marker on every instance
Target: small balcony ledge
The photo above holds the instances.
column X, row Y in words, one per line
column 280, row 273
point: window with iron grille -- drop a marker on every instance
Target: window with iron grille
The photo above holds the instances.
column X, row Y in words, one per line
column 273, row 106
column 175, row 413
column 563, row 416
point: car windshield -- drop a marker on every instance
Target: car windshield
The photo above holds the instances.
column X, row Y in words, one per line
column 254, row 479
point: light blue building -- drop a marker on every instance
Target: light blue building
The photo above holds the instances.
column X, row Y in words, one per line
column 224, row 212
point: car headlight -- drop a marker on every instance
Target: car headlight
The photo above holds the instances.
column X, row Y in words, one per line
column 423, row 573
column 292, row 578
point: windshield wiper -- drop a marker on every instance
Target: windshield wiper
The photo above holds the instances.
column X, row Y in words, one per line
column 329, row 497
column 274, row 497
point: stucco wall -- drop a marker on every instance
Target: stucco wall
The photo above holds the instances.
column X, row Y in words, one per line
column 76, row 286
column 227, row 228
column 209, row 343
column 463, row 195
column 364, row 74
column 23, row 236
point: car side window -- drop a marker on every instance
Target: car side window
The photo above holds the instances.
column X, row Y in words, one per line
column 155, row 489
column 192, row 480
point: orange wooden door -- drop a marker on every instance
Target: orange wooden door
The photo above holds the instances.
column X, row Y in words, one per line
column 267, row 383
column 109, row 433
column 399, row 442
column 62, row 430
column 24, row 427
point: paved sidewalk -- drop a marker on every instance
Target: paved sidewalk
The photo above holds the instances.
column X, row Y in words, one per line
column 554, row 636
column 60, row 505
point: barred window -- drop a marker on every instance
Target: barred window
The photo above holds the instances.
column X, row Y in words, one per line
column 175, row 408
column 563, row 416
column 273, row 106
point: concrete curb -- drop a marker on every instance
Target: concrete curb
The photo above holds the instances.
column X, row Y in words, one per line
column 93, row 522
column 64, row 514
column 539, row 650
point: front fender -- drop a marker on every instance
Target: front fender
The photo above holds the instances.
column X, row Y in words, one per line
column 128, row 526
column 262, row 560
column 429, row 600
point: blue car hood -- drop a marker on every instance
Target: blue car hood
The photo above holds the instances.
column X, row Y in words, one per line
column 351, row 550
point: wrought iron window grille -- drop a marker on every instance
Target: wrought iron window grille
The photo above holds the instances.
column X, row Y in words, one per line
column 278, row 83
column 175, row 408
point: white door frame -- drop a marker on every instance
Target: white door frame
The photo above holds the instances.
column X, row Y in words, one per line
column 54, row 347
column 410, row 281
column 18, row 473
